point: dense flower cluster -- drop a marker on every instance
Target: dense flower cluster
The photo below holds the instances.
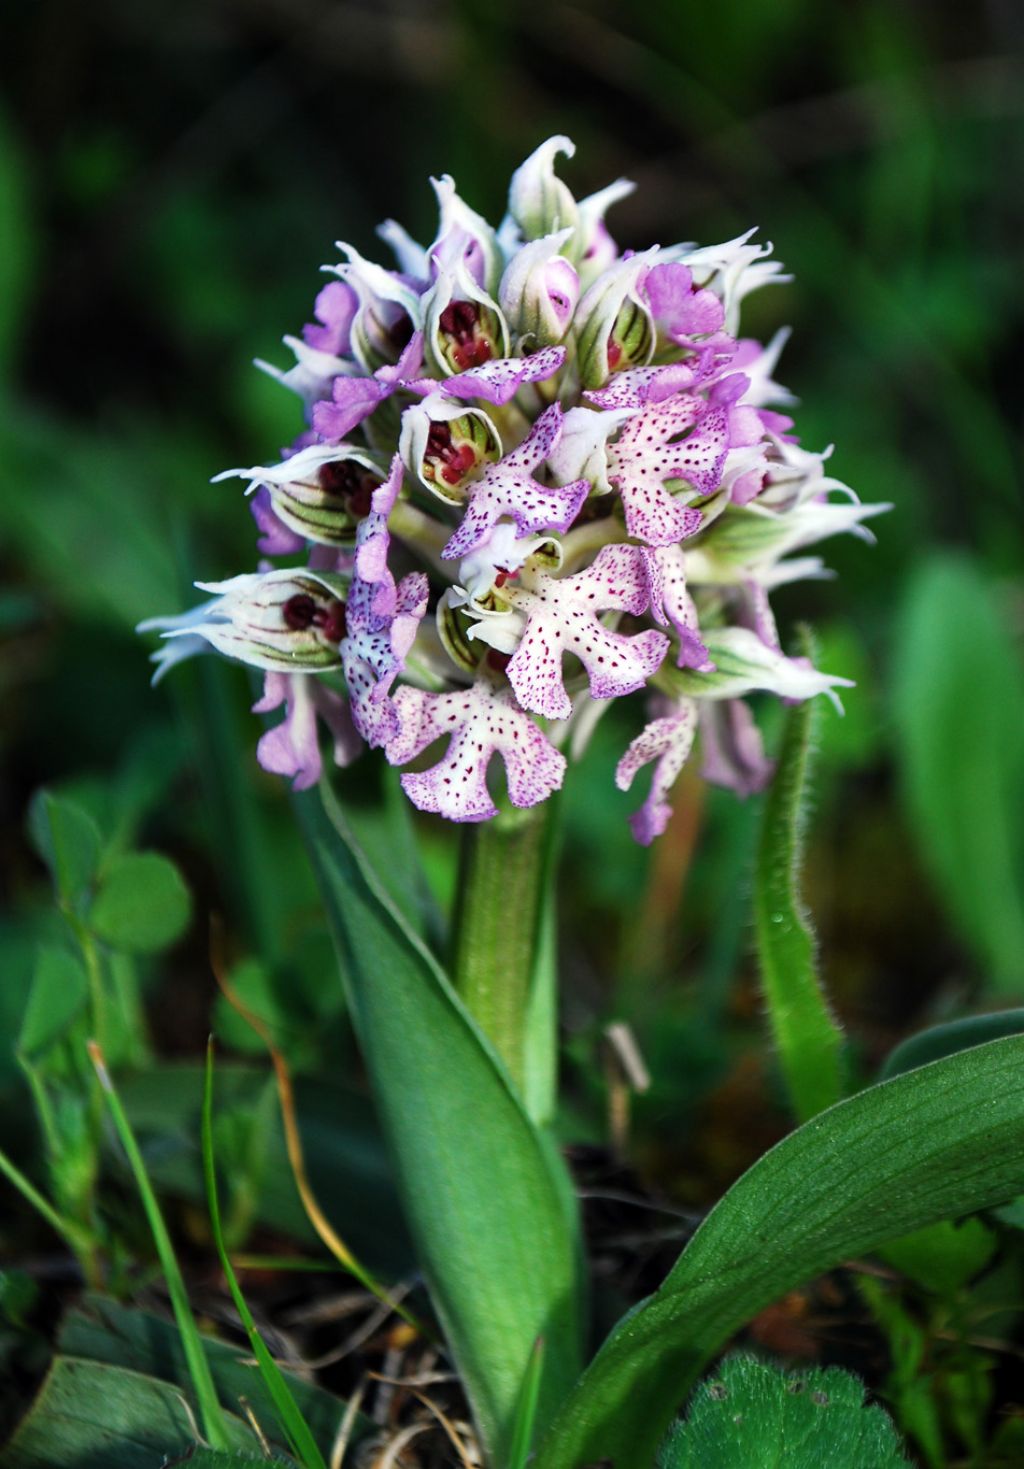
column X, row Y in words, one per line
column 539, row 474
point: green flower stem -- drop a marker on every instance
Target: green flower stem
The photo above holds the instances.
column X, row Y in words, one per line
column 423, row 532
column 497, row 927
column 585, row 539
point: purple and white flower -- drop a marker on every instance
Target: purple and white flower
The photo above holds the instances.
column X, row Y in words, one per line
column 568, row 456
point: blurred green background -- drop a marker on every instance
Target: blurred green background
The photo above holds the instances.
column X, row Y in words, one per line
column 171, row 179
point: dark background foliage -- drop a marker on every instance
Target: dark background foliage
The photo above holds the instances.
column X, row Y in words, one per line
column 172, row 177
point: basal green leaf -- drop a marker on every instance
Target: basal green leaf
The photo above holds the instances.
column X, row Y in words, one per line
column 87, row 1413
column 808, row 1039
column 946, row 1040
column 68, row 841
column 936, row 1143
column 103, row 1330
column 752, row 1416
column 959, row 705
column 483, row 1193
column 142, row 904
column 59, row 993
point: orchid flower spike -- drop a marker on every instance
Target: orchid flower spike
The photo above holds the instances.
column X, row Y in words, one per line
column 538, row 473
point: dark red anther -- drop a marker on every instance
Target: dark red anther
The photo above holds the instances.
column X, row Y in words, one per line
column 458, row 319
column 333, row 623
column 351, row 482
column 501, row 577
column 452, row 461
column 400, row 332
column 460, row 322
column 498, row 661
column 614, row 354
column 299, row 612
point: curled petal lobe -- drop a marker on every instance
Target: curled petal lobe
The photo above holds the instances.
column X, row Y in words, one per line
column 291, row 748
column 334, row 309
column 668, row 741
column 480, row 722
column 672, row 605
column 679, row 308
column 733, row 748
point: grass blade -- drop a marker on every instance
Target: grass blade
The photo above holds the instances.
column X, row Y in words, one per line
column 292, row 1422
column 210, row 1413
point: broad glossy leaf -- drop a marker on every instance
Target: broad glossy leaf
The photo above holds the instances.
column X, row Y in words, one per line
column 142, row 904
column 959, row 705
column 88, row 1414
column 808, row 1039
column 484, row 1194
column 936, row 1143
column 752, row 1416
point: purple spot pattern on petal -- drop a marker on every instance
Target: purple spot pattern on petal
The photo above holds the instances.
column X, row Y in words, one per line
column 650, row 450
column 672, row 605
column 639, row 387
column 500, row 380
column 562, row 616
column 508, row 488
column 480, row 722
column 382, row 619
column 667, row 740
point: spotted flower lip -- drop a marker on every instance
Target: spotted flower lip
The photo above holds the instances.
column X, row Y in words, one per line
column 481, row 723
column 509, row 489
column 539, row 473
column 562, row 617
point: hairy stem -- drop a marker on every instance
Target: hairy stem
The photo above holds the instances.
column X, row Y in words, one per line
column 497, row 927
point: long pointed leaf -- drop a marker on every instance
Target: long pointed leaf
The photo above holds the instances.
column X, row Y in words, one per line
column 935, row 1143
column 485, row 1195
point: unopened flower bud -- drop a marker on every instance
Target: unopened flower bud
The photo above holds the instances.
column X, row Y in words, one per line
column 539, row 292
column 465, row 235
column 538, row 200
